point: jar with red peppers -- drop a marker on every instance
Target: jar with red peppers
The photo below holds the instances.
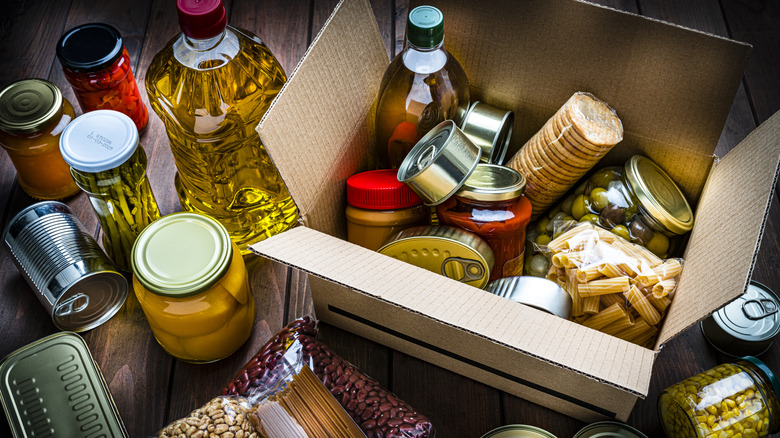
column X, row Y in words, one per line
column 97, row 66
column 491, row 205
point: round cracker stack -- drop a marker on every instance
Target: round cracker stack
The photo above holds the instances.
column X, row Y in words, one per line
column 566, row 148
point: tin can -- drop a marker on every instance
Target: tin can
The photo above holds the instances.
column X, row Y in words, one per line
column 40, row 395
column 518, row 431
column 536, row 292
column 747, row 325
column 448, row 251
column 609, row 429
column 490, row 128
column 69, row 273
column 440, row 163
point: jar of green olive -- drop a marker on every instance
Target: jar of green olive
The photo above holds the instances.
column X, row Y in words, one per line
column 733, row 400
column 638, row 201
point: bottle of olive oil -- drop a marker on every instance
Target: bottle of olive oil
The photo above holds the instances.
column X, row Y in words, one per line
column 210, row 85
column 423, row 86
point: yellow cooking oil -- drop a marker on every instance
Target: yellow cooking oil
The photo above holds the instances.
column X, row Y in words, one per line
column 211, row 94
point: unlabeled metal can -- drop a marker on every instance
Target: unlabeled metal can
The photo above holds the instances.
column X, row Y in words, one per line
column 536, row 292
column 439, row 164
column 490, row 128
column 747, row 325
column 52, row 388
column 518, row 431
column 69, row 273
column 609, row 429
column 448, row 251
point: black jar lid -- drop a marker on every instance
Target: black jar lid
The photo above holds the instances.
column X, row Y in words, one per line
column 89, row 47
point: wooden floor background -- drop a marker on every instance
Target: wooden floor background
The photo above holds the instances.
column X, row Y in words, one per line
column 150, row 388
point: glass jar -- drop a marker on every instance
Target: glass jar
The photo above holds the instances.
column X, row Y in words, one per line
column 33, row 114
column 491, row 205
column 193, row 287
column 423, row 86
column 109, row 164
column 379, row 206
column 97, row 66
column 639, row 202
column 730, row 400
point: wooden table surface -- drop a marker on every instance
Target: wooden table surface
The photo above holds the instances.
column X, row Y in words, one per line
column 151, row 388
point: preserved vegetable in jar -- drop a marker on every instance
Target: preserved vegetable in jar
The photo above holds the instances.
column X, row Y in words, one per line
column 211, row 85
column 97, row 66
column 731, row 400
column 491, row 205
column 193, row 287
column 423, row 86
column 638, row 202
column 33, row 114
column 109, row 164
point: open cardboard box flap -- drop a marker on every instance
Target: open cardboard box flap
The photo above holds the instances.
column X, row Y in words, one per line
column 671, row 86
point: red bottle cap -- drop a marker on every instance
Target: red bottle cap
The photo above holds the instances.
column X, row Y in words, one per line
column 201, row 18
column 380, row 190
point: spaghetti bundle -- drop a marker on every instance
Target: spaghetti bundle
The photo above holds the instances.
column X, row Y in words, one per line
column 305, row 409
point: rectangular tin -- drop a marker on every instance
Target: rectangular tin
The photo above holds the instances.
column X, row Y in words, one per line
column 53, row 388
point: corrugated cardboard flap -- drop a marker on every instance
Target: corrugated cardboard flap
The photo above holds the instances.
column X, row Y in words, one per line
column 462, row 307
column 730, row 221
column 319, row 129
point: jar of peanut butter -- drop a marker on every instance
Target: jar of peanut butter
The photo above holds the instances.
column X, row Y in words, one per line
column 379, row 206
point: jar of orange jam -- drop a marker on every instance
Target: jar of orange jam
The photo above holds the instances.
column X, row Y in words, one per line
column 192, row 284
column 33, row 114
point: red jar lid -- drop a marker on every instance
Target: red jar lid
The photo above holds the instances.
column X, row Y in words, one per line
column 380, row 190
column 201, row 18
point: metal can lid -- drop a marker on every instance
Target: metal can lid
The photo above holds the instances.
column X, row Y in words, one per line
column 440, row 163
column 518, row 431
column 659, row 194
column 425, row 27
column 536, row 292
column 490, row 128
column 181, row 255
column 753, row 317
column 99, row 140
column 37, row 390
column 493, row 182
column 609, row 429
column 449, row 251
column 89, row 47
column 27, row 105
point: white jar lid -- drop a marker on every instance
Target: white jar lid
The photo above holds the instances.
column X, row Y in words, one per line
column 99, row 140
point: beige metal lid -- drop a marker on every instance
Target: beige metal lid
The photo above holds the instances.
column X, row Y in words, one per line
column 27, row 105
column 518, row 431
column 449, row 251
column 609, row 429
column 493, row 182
column 659, row 194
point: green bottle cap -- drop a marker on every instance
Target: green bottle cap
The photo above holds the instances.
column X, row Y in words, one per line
column 181, row 255
column 425, row 27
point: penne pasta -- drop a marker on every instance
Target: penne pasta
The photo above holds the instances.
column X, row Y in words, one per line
column 643, row 306
column 589, row 273
column 661, row 303
column 606, row 317
column 610, row 270
column 605, row 286
column 669, row 269
column 591, row 305
column 664, row 288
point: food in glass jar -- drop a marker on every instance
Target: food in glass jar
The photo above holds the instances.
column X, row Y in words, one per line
column 731, row 400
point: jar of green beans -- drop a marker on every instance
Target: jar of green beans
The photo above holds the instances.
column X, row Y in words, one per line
column 109, row 164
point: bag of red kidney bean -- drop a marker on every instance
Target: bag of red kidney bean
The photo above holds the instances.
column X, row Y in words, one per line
column 378, row 412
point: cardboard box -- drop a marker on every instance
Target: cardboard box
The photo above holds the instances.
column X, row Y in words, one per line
column 672, row 88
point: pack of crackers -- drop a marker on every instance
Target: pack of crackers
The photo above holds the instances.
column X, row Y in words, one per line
column 566, row 148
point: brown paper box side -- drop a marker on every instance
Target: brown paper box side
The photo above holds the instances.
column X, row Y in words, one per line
column 320, row 130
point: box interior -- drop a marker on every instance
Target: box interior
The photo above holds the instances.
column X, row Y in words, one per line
column 672, row 88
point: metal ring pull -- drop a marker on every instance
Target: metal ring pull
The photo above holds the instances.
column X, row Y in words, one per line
column 767, row 310
column 472, row 269
column 70, row 305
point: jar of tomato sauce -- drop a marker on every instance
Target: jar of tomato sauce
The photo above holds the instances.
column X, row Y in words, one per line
column 97, row 66
column 491, row 205
column 193, row 287
column 33, row 114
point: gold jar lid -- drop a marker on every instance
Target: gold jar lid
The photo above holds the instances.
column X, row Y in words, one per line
column 659, row 194
column 493, row 182
column 27, row 105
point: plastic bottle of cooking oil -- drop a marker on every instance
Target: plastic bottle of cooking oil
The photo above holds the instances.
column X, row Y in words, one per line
column 210, row 85
column 423, row 86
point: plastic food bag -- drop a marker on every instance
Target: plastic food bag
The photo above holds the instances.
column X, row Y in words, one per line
column 223, row 417
column 377, row 411
column 617, row 287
